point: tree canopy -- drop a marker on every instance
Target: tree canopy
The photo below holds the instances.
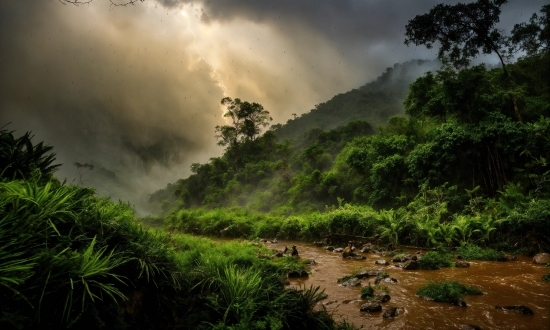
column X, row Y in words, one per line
column 463, row 30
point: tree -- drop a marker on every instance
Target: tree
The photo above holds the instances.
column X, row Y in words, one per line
column 533, row 37
column 464, row 30
column 247, row 121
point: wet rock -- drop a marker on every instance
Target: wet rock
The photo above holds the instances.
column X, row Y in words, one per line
column 381, row 262
column 354, row 281
column 339, row 250
column 397, row 258
column 357, row 257
column 274, row 241
column 459, row 303
column 410, row 265
column 509, row 257
column 369, row 273
column 371, row 307
column 297, row 273
column 469, row 327
column 390, row 312
column 382, row 297
column 323, row 242
column 390, row 280
column 380, row 278
column 541, row 258
column 330, row 302
column 294, row 251
column 522, row 309
column 365, row 250
column 462, row 264
column 330, row 248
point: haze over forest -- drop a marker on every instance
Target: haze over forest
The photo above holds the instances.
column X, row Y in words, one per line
column 135, row 90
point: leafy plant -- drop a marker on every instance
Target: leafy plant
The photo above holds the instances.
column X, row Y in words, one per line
column 446, row 291
column 435, row 260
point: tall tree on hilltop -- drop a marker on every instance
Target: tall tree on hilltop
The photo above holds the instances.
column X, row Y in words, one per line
column 247, row 122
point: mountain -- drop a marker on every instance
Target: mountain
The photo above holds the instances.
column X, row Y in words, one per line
column 373, row 102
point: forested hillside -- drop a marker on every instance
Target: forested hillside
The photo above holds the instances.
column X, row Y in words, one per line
column 472, row 150
column 373, row 102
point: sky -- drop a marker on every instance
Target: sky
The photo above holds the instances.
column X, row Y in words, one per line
column 135, row 90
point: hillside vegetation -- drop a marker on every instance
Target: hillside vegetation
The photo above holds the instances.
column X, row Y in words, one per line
column 468, row 162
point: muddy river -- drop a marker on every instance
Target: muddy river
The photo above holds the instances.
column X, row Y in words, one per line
column 503, row 283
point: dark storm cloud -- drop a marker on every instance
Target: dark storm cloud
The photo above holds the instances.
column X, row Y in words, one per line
column 357, row 27
column 103, row 90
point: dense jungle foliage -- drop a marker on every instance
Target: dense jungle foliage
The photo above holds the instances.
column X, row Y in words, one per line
column 466, row 163
column 69, row 259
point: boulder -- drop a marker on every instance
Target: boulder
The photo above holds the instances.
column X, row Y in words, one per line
column 371, row 307
column 365, row 249
column 469, row 327
column 541, row 258
column 522, row 309
column 390, row 312
column 397, row 258
column 354, row 281
column 459, row 303
column 382, row 297
column 369, row 273
column 339, row 250
column 330, row 248
column 509, row 257
column 381, row 262
column 297, row 273
column 410, row 265
column 390, row 280
column 462, row 264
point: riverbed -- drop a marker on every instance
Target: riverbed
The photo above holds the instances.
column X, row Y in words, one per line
column 516, row 282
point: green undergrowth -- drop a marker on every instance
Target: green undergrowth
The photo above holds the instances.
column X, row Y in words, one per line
column 79, row 261
column 435, row 260
column 474, row 252
column 367, row 292
column 446, row 291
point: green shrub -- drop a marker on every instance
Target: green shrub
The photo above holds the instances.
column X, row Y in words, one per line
column 474, row 252
column 435, row 260
column 446, row 291
column 367, row 292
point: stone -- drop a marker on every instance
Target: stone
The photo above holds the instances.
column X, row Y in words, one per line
column 390, row 280
column 410, row 265
column 330, row 248
column 390, row 312
column 381, row 262
column 459, row 303
column 541, row 258
column 339, row 250
column 509, row 257
column 462, row 264
column 297, row 273
column 469, row 327
column 357, row 257
column 382, row 297
column 371, row 307
column 365, row 250
column 522, row 309
column 354, row 281
column 397, row 258
column 369, row 273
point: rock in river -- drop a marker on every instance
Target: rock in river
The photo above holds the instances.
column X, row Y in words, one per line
column 390, row 312
column 297, row 273
column 522, row 309
column 541, row 258
column 462, row 264
column 382, row 262
column 371, row 307
column 410, row 265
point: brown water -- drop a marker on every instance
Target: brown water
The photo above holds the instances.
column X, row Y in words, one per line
column 503, row 283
